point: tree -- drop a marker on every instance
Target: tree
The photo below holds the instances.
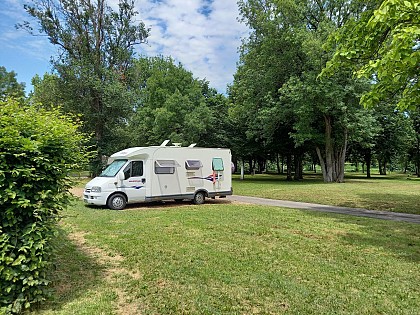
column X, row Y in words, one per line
column 269, row 57
column 47, row 91
column 96, row 47
column 395, row 136
column 172, row 104
column 9, row 86
column 329, row 117
column 277, row 84
column 414, row 150
column 382, row 45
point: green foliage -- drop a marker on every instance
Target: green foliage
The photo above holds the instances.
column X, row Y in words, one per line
column 173, row 105
column 47, row 91
column 96, row 46
column 276, row 95
column 383, row 45
column 9, row 87
column 38, row 149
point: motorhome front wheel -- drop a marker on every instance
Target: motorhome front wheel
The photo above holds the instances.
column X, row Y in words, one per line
column 116, row 202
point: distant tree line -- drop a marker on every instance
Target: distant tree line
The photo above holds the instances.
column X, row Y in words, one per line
column 295, row 99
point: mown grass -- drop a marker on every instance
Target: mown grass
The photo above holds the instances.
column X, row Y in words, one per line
column 395, row 192
column 222, row 258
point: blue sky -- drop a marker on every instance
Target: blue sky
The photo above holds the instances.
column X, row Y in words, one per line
column 203, row 35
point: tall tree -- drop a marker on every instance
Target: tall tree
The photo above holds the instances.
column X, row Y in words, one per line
column 96, row 51
column 9, row 86
column 414, row 151
column 383, row 45
column 269, row 57
column 172, row 104
column 277, row 77
column 395, row 136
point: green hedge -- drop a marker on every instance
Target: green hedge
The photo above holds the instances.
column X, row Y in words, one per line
column 38, row 149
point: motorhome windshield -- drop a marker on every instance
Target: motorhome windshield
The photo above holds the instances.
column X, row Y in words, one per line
column 113, row 168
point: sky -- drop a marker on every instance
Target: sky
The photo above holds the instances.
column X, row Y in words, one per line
column 203, row 35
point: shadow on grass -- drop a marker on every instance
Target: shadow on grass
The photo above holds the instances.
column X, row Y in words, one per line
column 74, row 273
column 400, row 239
column 394, row 202
column 317, row 177
column 280, row 179
column 162, row 204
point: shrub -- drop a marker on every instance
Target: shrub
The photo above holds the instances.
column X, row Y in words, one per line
column 38, row 149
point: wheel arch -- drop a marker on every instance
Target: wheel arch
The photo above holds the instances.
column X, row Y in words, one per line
column 117, row 192
column 205, row 191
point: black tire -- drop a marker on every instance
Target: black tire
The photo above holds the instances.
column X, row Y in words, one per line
column 117, row 202
column 199, row 198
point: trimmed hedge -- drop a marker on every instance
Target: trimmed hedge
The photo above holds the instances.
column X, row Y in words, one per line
column 38, row 149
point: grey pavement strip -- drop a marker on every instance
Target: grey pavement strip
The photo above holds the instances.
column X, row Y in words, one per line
column 384, row 215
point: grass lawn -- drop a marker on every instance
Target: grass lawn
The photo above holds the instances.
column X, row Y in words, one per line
column 395, row 192
column 222, row 258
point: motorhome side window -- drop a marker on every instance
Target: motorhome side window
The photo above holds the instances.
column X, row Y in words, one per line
column 218, row 164
column 193, row 164
column 165, row 166
column 133, row 169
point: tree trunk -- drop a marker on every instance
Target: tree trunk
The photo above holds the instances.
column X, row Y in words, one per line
column 289, row 166
column 341, row 159
column 417, row 163
column 321, row 162
column 298, row 167
column 278, row 164
column 332, row 164
column 261, row 165
column 251, row 166
column 368, row 161
column 382, row 167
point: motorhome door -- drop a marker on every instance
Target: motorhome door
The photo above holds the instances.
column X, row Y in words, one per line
column 134, row 183
column 168, row 178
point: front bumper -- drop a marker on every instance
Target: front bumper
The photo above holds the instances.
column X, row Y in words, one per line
column 94, row 198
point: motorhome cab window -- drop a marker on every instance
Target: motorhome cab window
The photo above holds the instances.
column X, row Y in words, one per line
column 134, row 169
column 218, row 164
column 193, row 164
column 113, row 168
column 165, row 166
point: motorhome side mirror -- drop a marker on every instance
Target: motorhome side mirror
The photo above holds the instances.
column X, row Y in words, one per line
column 121, row 176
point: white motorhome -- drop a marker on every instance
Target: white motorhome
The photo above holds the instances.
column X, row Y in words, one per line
column 144, row 174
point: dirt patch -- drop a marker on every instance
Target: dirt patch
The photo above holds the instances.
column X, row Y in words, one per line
column 77, row 192
column 113, row 270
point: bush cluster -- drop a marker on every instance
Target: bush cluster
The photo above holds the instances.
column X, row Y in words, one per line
column 38, row 150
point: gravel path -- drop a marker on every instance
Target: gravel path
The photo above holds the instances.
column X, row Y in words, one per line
column 384, row 215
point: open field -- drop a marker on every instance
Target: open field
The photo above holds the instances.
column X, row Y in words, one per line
column 223, row 258
column 395, row 192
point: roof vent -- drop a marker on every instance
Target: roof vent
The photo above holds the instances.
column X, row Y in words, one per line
column 192, row 145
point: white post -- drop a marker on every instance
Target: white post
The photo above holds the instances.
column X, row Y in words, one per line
column 242, row 170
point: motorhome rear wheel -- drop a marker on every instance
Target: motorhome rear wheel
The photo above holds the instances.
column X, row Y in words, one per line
column 199, row 198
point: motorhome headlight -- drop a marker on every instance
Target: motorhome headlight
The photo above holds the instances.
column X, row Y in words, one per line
column 95, row 189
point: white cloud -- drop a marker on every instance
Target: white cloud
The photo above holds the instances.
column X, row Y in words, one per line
column 203, row 35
